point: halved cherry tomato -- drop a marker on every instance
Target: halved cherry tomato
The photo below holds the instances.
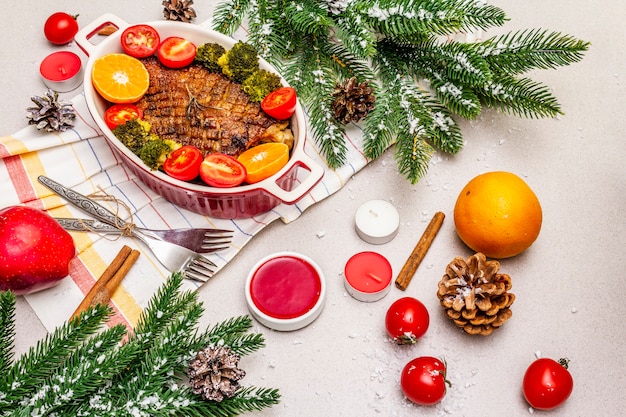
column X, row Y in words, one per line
column 140, row 41
column 118, row 114
column 280, row 104
column 184, row 163
column 175, row 52
column 219, row 170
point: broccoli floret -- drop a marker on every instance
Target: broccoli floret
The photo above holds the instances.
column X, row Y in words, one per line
column 260, row 84
column 155, row 151
column 208, row 54
column 133, row 134
column 239, row 62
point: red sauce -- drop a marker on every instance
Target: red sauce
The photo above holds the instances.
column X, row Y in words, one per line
column 285, row 287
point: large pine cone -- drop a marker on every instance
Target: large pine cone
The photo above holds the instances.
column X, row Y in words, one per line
column 50, row 113
column 214, row 373
column 352, row 101
column 179, row 10
column 474, row 295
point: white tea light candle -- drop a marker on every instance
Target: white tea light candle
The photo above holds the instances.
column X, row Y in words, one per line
column 377, row 221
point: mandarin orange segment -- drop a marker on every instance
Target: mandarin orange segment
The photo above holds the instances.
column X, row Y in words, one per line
column 498, row 214
column 120, row 78
column 263, row 161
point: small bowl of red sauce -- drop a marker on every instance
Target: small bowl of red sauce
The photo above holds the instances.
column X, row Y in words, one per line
column 286, row 291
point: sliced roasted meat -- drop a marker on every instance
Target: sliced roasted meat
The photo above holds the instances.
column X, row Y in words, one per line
column 196, row 107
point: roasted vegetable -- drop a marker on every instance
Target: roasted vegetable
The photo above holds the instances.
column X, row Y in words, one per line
column 260, row 84
column 134, row 134
column 239, row 62
column 154, row 152
column 208, row 54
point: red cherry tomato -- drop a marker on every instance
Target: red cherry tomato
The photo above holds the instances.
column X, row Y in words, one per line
column 60, row 28
column 118, row 114
column 280, row 104
column 423, row 380
column 140, row 41
column 175, row 52
column 219, row 170
column 184, row 163
column 407, row 320
column 547, row 383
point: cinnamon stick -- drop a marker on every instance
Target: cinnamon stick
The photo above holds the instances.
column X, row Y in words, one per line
column 419, row 252
column 105, row 286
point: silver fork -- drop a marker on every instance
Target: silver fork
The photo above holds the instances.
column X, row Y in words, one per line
column 178, row 258
column 173, row 257
column 202, row 240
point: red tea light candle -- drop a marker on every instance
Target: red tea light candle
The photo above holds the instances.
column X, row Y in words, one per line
column 61, row 71
column 285, row 291
column 368, row 276
column 377, row 221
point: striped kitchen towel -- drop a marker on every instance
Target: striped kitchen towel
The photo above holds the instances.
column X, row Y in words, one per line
column 81, row 158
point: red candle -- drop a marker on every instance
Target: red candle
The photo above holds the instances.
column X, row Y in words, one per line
column 368, row 276
column 285, row 291
column 61, row 71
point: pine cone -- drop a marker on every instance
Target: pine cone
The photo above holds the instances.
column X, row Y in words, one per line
column 51, row 114
column 337, row 6
column 179, row 10
column 214, row 374
column 352, row 101
column 475, row 296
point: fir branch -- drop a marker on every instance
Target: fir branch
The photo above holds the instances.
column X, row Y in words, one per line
column 354, row 36
column 400, row 40
column 381, row 125
column 345, row 65
column 270, row 35
column 478, row 14
column 308, row 17
column 166, row 304
column 33, row 368
column 229, row 14
column 247, row 399
column 518, row 52
column 7, row 331
column 453, row 61
column 88, row 373
column 327, row 132
column 78, row 378
column 445, row 133
column 234, row 334
column 440, row 17
column 311, row 73
column 459, row 98
column 521, row 97
column 412, row 156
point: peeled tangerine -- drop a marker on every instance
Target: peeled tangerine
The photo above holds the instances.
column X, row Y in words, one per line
column 497, row 214
column 35, row 251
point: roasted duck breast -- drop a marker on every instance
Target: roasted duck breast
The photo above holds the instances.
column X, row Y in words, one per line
column 196, row 107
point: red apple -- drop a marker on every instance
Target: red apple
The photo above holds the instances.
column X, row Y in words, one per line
column 35, row 251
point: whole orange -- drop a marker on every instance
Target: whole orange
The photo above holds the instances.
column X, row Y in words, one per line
column 498, row 214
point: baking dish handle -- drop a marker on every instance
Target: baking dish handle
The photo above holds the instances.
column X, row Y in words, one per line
column 315, row 174
column 83, row 37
